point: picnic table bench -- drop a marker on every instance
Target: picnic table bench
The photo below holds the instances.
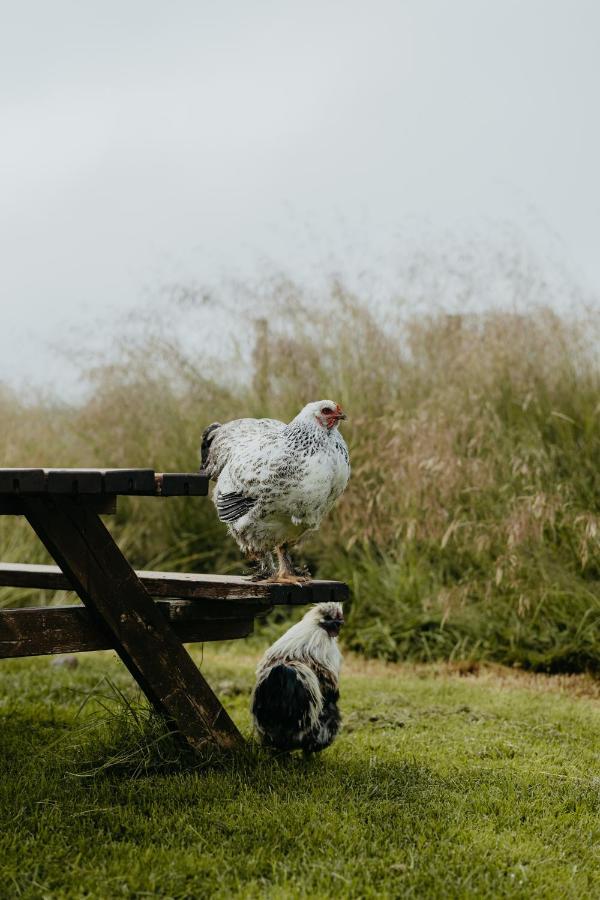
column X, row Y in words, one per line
column 64, row 506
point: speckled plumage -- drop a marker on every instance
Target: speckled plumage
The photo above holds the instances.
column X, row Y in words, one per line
column 275, row 482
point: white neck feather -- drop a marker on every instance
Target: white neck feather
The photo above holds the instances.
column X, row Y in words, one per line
column 307, row 640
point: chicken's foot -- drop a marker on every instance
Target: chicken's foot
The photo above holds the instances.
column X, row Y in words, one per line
column 286, row 574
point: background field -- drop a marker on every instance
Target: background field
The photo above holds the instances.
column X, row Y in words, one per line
column 470, row 527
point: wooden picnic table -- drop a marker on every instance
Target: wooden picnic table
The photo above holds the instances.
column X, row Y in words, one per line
column 64, row 506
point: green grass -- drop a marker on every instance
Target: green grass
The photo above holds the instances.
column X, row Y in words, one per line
column 443, row 784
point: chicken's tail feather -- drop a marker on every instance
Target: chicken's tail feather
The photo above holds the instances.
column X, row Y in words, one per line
column 286, row 703
column 207, row 439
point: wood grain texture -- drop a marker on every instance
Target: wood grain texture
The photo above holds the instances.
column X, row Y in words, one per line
column 189, row 586
column 70, row 629
column 119, row 604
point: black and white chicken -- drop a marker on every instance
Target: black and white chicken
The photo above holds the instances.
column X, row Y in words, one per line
column 275, row 482
column 295, row 700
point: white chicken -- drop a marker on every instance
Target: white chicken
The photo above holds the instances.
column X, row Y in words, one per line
column 275, row 482
column 295, row 700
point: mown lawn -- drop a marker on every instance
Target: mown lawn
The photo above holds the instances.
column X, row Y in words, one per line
column 444, row 784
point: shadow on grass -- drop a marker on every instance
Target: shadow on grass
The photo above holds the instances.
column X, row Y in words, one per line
column 117, row 739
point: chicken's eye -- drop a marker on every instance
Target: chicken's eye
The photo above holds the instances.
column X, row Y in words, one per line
column 327, row 411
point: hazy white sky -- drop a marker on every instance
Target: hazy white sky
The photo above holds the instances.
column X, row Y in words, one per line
column 145, row 142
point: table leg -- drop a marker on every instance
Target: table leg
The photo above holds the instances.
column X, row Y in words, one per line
column 86, row 552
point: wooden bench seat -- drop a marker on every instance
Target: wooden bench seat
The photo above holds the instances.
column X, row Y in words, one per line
column 187, row 586
column 199, row 608
column 38, row 631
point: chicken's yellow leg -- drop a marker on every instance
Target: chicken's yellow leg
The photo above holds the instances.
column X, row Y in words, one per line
column 285, row 574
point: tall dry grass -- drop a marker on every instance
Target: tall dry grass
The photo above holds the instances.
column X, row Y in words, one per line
column 471, row 524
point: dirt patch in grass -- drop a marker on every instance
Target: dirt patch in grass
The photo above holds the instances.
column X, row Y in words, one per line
column 497, row 676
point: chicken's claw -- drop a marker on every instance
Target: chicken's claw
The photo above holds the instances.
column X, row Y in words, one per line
column 288, row 578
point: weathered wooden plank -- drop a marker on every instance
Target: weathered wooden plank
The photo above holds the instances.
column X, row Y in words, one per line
column 50, row 578
column 24, row 575
column 70, row 629
column 189, row 586
column 210, row 610
column 182, row 484
column 17, row 481
column 129, row 481
column 119, row 603
column 143, row 482
column 103, row 504
column 74, row 481
column 234, row 587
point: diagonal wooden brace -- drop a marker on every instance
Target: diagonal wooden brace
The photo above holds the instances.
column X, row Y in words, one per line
column 123, row 609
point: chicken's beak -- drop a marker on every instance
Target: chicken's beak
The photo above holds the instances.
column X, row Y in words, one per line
column 334, row 417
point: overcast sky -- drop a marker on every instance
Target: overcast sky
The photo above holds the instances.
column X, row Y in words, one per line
column 150, row 142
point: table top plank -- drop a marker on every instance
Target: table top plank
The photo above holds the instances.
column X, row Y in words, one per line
column 183, row 484
column 79, row 482
column 73, row 481
column 129, row 481
column 13, row 481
